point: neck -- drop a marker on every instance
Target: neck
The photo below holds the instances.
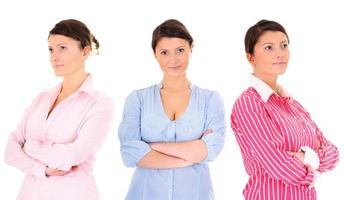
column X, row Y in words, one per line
column 72, row 83
column 270, row 80
column 175, row 83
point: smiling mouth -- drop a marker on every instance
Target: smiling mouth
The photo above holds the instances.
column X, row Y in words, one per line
column 174, row 67
column 59, row 65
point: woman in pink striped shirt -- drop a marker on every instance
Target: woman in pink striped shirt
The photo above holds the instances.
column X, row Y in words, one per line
column 282, row 148
column 55, row 142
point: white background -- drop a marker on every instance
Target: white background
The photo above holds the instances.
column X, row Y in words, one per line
column 126, row 62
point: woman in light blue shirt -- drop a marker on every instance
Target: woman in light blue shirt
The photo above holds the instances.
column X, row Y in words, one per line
column 171, row 130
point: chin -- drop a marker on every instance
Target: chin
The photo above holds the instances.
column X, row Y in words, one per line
column 177, row 75
column 59, row 74
column 280, row 70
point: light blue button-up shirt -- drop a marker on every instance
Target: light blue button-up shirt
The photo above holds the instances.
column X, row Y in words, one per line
column 145, row 121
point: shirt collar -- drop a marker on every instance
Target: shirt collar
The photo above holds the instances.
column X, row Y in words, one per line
column 264, row 90
column 86, row 87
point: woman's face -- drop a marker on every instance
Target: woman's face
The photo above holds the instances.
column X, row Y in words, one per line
column 66, row 56
column 173, row 56
column 271, row 54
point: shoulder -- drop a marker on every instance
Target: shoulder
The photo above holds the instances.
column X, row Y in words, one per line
column 143, row 92
column 207, row 94
column 101, row 97
column 42, row 96
column 249, row 101
column 140, row 95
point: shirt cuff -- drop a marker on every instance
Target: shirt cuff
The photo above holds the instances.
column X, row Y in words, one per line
column 311, row 157
column 316, row 178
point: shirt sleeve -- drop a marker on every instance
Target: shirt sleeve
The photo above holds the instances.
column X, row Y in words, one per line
column 133, row 149
column 94, row 129
column 215, row 120
column 327, row 152
column 257, row 134
column 14, row 154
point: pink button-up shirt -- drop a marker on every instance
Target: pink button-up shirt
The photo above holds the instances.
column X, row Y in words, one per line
column 68, row 137
column 267, row 127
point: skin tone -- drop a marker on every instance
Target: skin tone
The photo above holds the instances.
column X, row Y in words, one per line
column 68, row 61
column 173, row 55
column 269, row 60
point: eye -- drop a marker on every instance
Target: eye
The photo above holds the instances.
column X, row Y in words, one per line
column 285, row 45
column 50, row 50
column 269, row 47
column 180, row 50
column 63, row 47
column 164, row 52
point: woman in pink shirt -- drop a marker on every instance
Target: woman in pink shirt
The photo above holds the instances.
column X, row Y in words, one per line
column 282, row 148
column 55, row 142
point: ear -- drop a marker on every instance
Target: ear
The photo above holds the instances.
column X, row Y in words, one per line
column 87, row 51
column 250, row 59
column 191, row 47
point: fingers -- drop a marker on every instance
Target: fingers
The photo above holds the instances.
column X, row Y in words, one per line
column 207, row 132
column 299, row 155
column 61, row 173
column 57, row 172
column 74, row 168
column 318, row 144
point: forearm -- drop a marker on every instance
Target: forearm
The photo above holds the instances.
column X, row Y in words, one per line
column 65, row 155
column 15, row 156
column 59, row 156
column 193, row 151
column 155, row 159
column 328, row 156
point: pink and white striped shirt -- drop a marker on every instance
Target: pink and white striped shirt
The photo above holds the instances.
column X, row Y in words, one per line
column 267, row 127
column 68, row 137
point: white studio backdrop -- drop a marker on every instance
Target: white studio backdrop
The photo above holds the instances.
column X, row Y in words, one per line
column 126, row 62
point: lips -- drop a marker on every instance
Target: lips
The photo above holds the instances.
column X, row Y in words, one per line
column 60, row 65
column 174, row 67
column 280, row 63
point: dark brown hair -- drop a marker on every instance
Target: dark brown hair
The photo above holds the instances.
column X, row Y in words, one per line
column 76, row 30
column 255, row 31
column 171, row 28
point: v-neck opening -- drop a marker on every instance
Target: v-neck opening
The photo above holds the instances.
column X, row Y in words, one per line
column 163, row 109
column 54, row 110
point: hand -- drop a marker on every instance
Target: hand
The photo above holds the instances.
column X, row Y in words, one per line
column 153, row 145
column 56, row 172
column 207, row 132
column 318, row 144
column 299, row 155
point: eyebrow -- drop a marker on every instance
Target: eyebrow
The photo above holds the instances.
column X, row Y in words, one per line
column 59, row 44
column 273, row 43
column 182, row 46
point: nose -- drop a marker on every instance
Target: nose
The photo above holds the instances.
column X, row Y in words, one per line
column 280, row 53
column 54, row 56
column 174, row 60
